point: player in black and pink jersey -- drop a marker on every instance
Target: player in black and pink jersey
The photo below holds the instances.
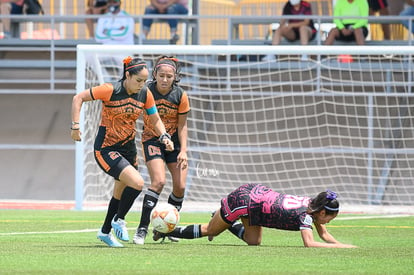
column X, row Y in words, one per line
column 115, row 150
column 259, row 206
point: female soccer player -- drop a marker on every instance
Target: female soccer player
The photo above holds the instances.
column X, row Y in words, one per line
column 259, row 206
column 115, row 149
column 173, row 106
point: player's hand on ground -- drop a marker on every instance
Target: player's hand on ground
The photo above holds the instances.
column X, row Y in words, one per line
column 348, row 246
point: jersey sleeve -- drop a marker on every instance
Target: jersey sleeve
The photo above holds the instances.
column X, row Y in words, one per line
column 184, row 106
column 364, row 10
column 305, row 222
column 337, row 12
column 102, row 92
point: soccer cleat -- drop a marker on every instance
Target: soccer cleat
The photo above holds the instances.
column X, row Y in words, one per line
column 108, row 239
column 140, row 234
column 173, row 239
column 158, row 235
column 120, row 229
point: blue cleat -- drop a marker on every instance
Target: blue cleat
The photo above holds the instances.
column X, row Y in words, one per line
column 120, row 229
column 108, row 239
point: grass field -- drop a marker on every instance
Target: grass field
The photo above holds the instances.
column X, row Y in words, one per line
column 64, row 242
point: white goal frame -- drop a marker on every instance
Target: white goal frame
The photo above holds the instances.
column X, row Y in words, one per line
column 375, row 187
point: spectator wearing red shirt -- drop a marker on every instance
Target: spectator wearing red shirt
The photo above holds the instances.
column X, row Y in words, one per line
column 295, row 29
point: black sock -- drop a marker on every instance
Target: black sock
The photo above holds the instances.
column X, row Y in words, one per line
column 176, row 201
column 127, row 199
column 188, row 232
column 149, row 202
column 237, row 229
column 112, row 209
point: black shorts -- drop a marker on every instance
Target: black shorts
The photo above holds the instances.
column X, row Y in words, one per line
column 377, row 5
column 297, row 35
column 351, row 37
column 113, row 162
column 153, row 149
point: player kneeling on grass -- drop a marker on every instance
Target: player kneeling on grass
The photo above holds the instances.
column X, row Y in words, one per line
column 259, row 206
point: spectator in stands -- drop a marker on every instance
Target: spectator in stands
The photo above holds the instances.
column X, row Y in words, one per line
column 167, row 7
column 295, row 29
column 349, row 29
column 408, row 11
column 95, row 7
column 381, row 6
column 116, row 26
column 8, row 7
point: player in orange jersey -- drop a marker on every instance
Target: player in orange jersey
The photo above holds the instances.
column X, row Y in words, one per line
column 173, row 106
column 115, row 149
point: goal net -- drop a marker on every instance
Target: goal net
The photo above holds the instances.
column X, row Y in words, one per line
column 343, row 120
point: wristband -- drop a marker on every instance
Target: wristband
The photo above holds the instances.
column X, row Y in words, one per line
column 165, row 135
column 74, row 128
column 75, row 123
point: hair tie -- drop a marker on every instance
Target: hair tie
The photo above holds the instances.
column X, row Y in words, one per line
column 166, row 64
column 133, row 66
column 331, row 209
column 331, row 195
column 127, row 60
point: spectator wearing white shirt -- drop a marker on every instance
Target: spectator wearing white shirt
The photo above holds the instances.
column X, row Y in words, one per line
column 116, row 26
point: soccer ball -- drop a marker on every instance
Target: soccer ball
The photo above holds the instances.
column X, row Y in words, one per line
column 164, row 218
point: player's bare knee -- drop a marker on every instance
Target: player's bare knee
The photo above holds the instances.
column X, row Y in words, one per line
column 253, row 242
column 157, row 185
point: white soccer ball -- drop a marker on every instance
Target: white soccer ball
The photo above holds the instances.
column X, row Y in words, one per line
column 164, row 218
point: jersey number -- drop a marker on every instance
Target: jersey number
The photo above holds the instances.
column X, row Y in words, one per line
column 154, row 150
column 295, row 202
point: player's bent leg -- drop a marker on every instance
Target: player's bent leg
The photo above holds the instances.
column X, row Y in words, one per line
column 108, row 239
column 134, row 183
column 215, row 226
column 148, row 204
column 252, row 233
column 132, row 178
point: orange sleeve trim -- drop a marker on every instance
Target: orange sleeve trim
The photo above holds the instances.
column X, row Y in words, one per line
column 184, row 106
column 150, row 102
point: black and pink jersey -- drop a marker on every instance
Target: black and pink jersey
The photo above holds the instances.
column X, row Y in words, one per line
column 267, row 208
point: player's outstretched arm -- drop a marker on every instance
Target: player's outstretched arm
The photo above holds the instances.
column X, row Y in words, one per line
column 309, row 241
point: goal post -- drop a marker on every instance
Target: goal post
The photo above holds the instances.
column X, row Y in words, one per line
column 343, row 120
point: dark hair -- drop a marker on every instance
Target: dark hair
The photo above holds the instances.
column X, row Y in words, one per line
column 325, row 200
column 167, row 60
column 133, row 65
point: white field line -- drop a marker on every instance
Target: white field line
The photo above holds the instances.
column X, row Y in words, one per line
column 371, row 217
column 96, row 230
